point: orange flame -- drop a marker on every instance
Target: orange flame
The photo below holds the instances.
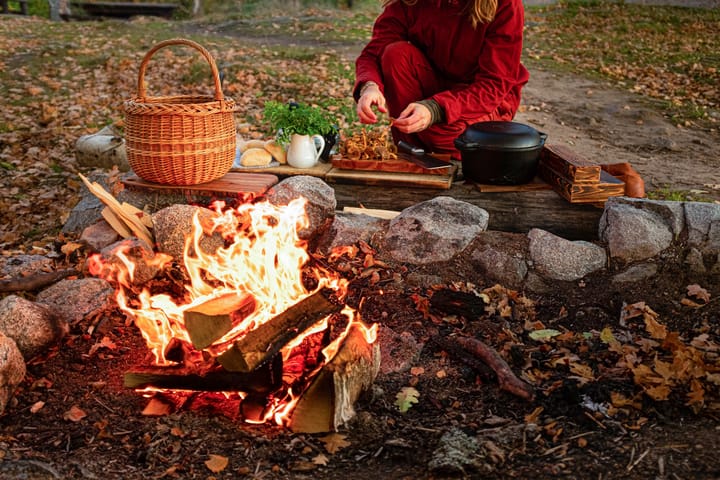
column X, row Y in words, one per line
column 262, row 257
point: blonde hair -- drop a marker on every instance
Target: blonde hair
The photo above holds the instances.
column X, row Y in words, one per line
column 479, row 11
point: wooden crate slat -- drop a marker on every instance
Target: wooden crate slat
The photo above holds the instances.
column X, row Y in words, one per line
column 569, row 164
column 595, row 193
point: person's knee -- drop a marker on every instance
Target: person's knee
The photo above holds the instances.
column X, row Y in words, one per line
column 397, row 54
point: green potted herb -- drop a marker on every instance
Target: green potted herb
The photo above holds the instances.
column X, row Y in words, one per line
column 286, row 119
column 302, row 128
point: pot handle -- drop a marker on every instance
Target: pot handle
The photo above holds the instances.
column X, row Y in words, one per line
column 543, row 137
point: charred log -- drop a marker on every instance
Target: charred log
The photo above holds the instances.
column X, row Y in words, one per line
column 36, row 281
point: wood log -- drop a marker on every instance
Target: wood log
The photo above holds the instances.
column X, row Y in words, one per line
column 569, row 164
column 509, row 211
column 208, row 322
column 262, row 380
column 596, row 193
column 329, row 401
column 263, row 342
column 36, row 281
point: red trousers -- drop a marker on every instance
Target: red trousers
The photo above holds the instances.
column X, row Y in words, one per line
column 408, row 77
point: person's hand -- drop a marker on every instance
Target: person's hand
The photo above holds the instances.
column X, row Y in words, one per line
column 415, row 118
column 371, row 96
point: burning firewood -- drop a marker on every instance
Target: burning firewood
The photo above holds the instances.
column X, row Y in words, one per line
column 266, row 340
column 328, row 402
column 209, row 321
column 263, row 380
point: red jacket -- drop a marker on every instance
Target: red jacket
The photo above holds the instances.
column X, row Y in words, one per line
column 481, row 66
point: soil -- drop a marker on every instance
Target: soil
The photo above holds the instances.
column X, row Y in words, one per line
column 573, row 436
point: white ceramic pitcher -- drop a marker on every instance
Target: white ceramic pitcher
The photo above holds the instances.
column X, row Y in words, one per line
column 304, row 150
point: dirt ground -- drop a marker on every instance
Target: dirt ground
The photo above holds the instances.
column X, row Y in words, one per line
column 565, row 432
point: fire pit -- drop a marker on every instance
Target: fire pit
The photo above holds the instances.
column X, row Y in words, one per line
column 255, row 320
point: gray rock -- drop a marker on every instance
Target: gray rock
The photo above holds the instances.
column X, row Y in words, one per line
column 500, row 257
column 173, row 224
column 12, row 370
column 33, row 326
column 456, row 454
column 21, row 265
column 559, row 259
column 434, row 230
column 88, row 210
column 703, row 224
column 135, row 250
column 321, row 202
column 673, row 213
column 636, row 273
column 633, row 234
column 350, row 228
column 99, row 235
column 77, row 299
column 694, row 260
column 398, row 352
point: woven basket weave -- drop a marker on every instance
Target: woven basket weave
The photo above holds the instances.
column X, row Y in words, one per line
column 183, row 139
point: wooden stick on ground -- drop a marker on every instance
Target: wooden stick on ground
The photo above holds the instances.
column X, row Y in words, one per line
column 506, row 378
column 34, row 282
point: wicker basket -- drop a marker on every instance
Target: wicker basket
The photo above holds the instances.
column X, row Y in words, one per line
column 183, row 139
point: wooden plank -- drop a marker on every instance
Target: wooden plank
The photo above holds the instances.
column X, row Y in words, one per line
column 232, row 184
column 596, row 193
column 570, row 165
column 397, row 166
column 285, row 170
column 391, row 179
column 372, row 212
column 537, row 183
column 509, row 211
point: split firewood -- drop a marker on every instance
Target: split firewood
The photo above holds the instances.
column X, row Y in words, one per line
column 130, row 216
column 266, row 340
column 36, row 281
column 372, row 212
column 118, row 225
column 209, row 321
column 505, row 376
column 329, row 401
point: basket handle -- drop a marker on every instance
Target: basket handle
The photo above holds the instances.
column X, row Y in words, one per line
column 141, row 92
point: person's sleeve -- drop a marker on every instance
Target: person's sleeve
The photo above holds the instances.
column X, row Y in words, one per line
column 390, row 26
column 499, row 69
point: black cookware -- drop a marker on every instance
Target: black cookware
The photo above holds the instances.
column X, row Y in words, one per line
column 500, row 153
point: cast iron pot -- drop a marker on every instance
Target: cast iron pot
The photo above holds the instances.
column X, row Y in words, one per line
column 500, row 153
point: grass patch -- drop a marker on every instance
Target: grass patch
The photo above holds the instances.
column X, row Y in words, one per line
column 667, row 53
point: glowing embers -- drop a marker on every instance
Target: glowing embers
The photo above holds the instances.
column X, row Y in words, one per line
column 256, row 320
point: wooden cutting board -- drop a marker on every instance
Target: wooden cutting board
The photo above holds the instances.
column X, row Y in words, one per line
column 285, row 170
column 232, row 184
column 391, row 179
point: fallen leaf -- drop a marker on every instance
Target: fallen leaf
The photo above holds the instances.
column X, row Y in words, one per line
column 320, row 459
column 37, row 406
column 416, row 371
column 75, row 414
column 606, row 335
column 334, row 442
column 698, row 292
column 405, row 398
column 216, row 463
column 545, row 334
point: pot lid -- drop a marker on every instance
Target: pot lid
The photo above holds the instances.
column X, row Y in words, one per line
column 499, row 135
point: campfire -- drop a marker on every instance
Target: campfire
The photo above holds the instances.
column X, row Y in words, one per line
column 257, row 323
